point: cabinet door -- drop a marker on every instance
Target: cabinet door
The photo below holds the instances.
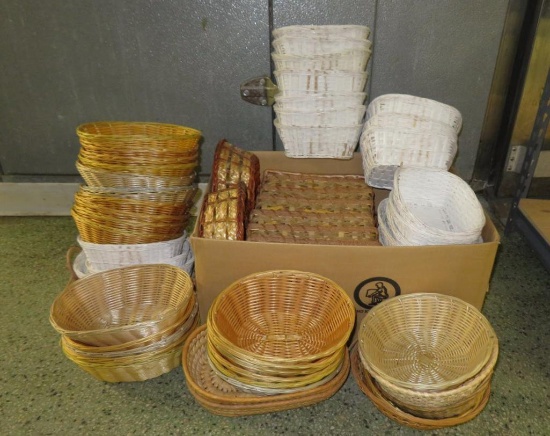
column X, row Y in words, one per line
column 68, row 62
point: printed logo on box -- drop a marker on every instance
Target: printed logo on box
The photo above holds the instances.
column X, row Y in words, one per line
column 372, row 291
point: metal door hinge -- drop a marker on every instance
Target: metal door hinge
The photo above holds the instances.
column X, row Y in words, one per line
column 516, row 158
column 259, row 90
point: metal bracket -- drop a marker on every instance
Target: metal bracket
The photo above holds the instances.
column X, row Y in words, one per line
column 259, row 90
column 516, row 158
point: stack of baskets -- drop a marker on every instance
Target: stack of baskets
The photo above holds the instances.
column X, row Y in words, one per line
column 126, row 324
column 140, row 188
column 430, row 207
column 233, row 189
column 275, row 335
column 313, row 209
column 321, row 75
column 406, row 130
column 426, row 360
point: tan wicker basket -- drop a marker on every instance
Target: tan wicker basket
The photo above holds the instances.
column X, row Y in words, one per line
column 336, row 219
column 222, row 398
column 371, row 390
column 223, row 214
column 425, row 342
column 121, row 305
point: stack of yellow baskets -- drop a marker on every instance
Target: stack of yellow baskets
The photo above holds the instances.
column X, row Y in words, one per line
column 140, row 189
column 426, row 360
column 274, row 340
column 126, row 324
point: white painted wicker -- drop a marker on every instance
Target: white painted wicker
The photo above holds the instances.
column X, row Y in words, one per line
column 323, row 31
column 290, row 81
column 319, row 118
column 353, row 61
column 315, row 46
column 315, row 101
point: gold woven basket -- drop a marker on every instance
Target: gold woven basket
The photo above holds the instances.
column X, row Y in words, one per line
column 121, row 305
column 222, row 398
column 164, row 170
column 425, row 342
column 132, row 134
column 223, row 214
column 176, row 196
column 371, row 390
column 102, row 178
column 276, row 217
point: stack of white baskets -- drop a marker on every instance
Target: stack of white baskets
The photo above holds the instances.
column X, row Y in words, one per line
column 406, row 130
column 321, row 75
column 430, row 206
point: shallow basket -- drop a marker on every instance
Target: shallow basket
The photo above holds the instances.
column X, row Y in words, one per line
column 319, row 142
column 316, row 46
column 314, row 101
column 323, row 31
column 425, row 342
column 282, row 317
column 355, row 61
column 415, row 105
column 389, row 120
column 121, row 305
column 289, row 81
column 319, row 118
column 368, row 386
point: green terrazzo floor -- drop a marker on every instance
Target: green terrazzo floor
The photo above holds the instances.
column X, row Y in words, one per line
column 42, row 392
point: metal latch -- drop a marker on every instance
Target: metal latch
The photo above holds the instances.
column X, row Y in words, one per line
column 259, row 90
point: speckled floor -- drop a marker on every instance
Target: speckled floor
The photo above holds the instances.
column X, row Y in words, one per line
column 41, row 392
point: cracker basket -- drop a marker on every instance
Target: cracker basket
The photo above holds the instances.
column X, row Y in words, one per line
column 425, row 342
column 121, row 305
column 222, row 398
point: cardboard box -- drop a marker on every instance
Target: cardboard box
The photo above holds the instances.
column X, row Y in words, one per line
column 369, row 273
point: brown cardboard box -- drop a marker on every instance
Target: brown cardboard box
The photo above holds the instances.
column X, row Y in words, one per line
column 368, row 273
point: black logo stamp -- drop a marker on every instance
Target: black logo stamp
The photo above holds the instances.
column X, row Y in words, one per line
column 372, row 291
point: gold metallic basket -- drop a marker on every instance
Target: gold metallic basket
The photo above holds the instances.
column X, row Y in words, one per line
column 425, row 342
column 121, row 305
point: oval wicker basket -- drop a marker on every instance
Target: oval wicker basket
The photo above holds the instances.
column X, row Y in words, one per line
column 425, row 342
column 121, row 305
column 323, row 31
column 282, row 317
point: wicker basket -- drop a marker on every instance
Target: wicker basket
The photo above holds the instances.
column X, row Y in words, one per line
column 222, row 398
column 298, row 46
column 317, row 118
column 418, row 106
column 290, row 81
column 352, row 61
column 165, row 170
column 121, row 305
column 223, row 214
column 425, row 342
column 336, row 219
column 110, row 179
column 388, row 120
column 279, row 329
column 179, row 195
column 323, row 31
column 315, row 101
column 371, row 390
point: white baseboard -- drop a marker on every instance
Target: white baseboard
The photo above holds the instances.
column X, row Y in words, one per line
column 46, row 199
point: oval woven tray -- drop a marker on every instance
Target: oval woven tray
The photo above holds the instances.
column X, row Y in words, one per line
column 221, row 398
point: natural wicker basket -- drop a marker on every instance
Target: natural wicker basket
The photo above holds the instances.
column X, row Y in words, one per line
column 336, row 219
column 425, row 342
column 121, row 305
column 323, row 31
column 176, row 196
column 103, row 178
column 276, row 331
column 371, row 390
column 222, row 398
column 129, row 134
column 162, row 170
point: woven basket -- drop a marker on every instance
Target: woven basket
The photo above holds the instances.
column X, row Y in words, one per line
column 310, row 318
column 319, row 142
column 315, row 206
column 121, row 305
column 320, row 81
column 308, row 219
column 417, row 106
column 317, row 118
column 110, row 179
column 222, row 398
column 371, row 390
column 179, row 195
column 318, row 46
column 223, row 214
column 131, row 134
column 352, row 61
column 425, row 342
column 164, row 170
column 323, row 31
column 388, row 120
column 315, row 101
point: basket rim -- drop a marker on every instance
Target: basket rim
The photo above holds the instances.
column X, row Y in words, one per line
column 397, row 300
column 193, row 133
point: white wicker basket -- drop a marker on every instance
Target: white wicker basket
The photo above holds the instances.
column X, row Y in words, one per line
column 315, row 46
column 355, row 61
column 290, row 81
column 414, row 105
column 133, row 253
column 388, row 120
column 308, row 31
column 319, row 142
column 318, row 118
column 313, row 101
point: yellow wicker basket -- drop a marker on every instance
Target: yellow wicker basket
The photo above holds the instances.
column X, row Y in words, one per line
column 425, row 342
column 121, row 305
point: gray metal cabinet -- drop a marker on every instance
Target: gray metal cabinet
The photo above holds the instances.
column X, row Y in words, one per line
column 180, row 61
